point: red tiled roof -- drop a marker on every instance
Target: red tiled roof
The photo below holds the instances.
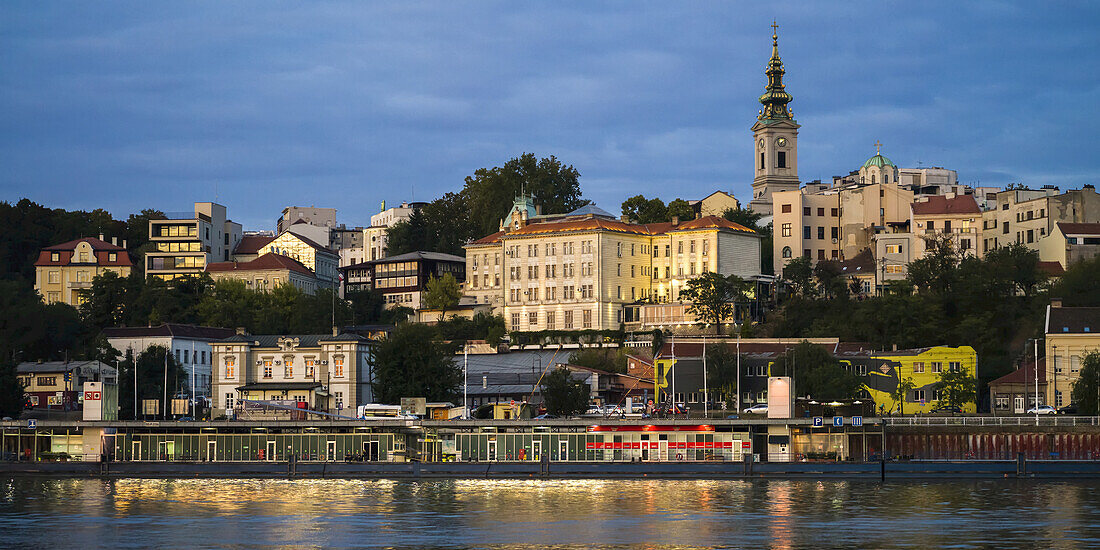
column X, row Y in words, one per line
column 593, row 223
column 1024, row 374
column 268, row 261
column 101, row 250
column 251, row 244
column 170, row 329
column 939, row 204
column 1079, row 228
column 1054, row 269
column 489, row 239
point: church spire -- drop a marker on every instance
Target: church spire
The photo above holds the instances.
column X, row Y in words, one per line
column 776, row 98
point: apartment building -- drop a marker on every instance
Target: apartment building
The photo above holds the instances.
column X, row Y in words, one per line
column 319, row 217
column 63, row 273
column 1026, row 216
column 805, row 224
column 187, row 241
column 318, row 258
column 1071, row 334
column 579, row 271
column 403, row 279
column 325, row 373
column 951, row 216
column 374, row 237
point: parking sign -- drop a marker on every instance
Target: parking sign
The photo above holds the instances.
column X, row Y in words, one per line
column 838, row 421
column 818, row 422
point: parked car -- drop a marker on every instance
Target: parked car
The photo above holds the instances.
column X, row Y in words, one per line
column 1042, row 409
column 1068, row 409
column 546, row 417
column 759, row 408
column 950, row 410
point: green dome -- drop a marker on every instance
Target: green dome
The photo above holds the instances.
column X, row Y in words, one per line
column 878, row 160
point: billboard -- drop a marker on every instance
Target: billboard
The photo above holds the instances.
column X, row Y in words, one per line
column 414, row 405
column 780, row 394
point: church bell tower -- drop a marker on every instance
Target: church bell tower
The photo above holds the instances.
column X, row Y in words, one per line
column 775, row 138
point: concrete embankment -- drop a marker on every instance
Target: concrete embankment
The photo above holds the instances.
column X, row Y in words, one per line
column 870, row 471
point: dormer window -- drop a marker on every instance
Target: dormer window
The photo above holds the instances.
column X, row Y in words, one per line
column 55, row 256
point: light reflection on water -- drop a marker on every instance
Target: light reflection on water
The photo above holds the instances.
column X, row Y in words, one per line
column 657, row 514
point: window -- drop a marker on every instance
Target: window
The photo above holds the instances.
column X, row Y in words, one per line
column 918, row 368
column 267, row 368
column 47, row 380
column 550, row 320
column 786, row 208
column 806, row 232
column 55, row 256
column 834, row 232
column 820, row 254
column 893, row 249
column 112, row 256
column 820, row 211
column 918, row 395
column 781, row 159
column 680, row 247
column 937, row 368
column 339, row 400
column 288, row 368
column 806, row 210
column 55, row 277
column 821, row 233
column 706, row 247
column 228, row 401
column 1001, row 401
column 515, row 321
column 338, row 366
column 586, row 316
column 786, row 228
column 761, row 161
column 568, row 320
column 786, row 252
column 311, row 368
column 533, row 319
column 186, row 356
column 832, row 212
column 692, row 247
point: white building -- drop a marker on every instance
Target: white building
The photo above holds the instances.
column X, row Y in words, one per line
column 374, row 237
column 189, row 344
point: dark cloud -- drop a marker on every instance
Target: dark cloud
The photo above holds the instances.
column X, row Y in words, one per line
column 135, row 105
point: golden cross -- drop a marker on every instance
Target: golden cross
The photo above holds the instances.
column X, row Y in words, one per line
column 774, row 26
column 878, row 147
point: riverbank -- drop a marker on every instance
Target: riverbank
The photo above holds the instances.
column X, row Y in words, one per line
column 976, row 469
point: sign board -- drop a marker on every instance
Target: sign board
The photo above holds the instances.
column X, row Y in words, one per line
column 746, row 445
column 818, row 422
column 54, row 399
column 179, row 406
column 414, row 405
column 32, row 423
column 857, row 421
column 150, row 406
column 780, row 397
column 838, row 421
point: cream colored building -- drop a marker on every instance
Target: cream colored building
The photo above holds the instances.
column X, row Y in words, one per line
column 185, row 242
column 321, row 260
column 1026, row 216
column 1070, row 243
column 319, row 217
column 328, row 373
column 578, row 272
column 374, row 237
column 715, row 204
column 1071, row 333
column 805, row 224
column 64, row 272
column 266, row 272
column 956, row 217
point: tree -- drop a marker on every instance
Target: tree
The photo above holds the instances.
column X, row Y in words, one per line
column 442, row 293
column 744, row 216
column 680, row 208
column 490, row 192
column 722, row 373
column 1086, row 389
column 937, row 271
column 639, row 209
column 901, row 391
column 799, row 272
column 956, row 388
column 605, row 359
column 151, row 374
column 105, row 304
column 1077, row 286
column 830, row 279
column 11, row 390
column 561, row 395
column 408, row 235
column 412, row 362
column 817, row 374
column 713, row 296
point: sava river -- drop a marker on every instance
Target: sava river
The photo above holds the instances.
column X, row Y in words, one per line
column 648, row 514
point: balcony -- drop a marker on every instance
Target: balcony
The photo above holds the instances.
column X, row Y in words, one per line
column 80, row 285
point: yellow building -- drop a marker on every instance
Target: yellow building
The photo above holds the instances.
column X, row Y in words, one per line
column 64, row 273
column 323, row 261
column 923, row 366
column 1071, row 334
column 266, row 272
column 577, row 271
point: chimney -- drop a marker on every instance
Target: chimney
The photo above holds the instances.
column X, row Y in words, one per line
column 114, row 241
column 675, row 221
column 241, row 331
column 1055, row 302
column 895, row 347
column 484, row 381
column 335, row 331
column 698, row 215
column 538, row 209
column 123, row 243
column 101, row 236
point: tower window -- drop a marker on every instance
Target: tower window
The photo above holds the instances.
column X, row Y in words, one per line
column 781, row 159
column 761, row 161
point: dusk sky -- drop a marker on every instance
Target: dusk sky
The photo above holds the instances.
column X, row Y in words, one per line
column 131, row 105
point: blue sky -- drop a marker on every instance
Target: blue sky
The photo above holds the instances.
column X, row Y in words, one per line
column 129, row 105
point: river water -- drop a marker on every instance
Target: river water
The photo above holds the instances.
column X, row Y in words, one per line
column 647, row 514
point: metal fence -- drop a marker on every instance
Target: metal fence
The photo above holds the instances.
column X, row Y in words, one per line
column 1042, row 420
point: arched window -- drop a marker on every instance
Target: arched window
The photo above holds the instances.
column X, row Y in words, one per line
column 786, row 252
column 872, row 179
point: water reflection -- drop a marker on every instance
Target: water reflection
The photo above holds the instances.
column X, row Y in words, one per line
column 657, row 514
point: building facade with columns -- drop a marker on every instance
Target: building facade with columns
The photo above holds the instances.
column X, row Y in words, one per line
column 64, row 272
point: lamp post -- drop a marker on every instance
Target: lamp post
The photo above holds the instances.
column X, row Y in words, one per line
column 706, row 397
column 465, row 382
column 1036, row 368
column 1054, row 372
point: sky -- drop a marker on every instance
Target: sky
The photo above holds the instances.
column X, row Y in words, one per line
column 263, row 105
